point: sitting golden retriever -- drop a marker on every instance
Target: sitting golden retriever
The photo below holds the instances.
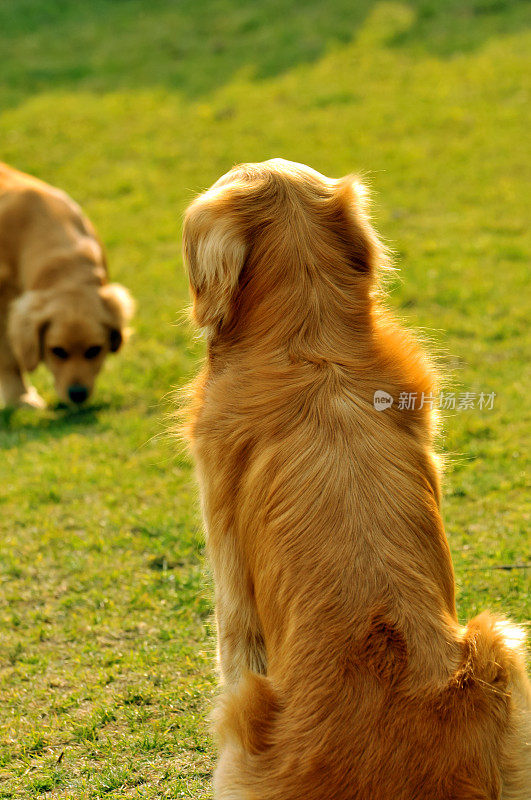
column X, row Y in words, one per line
column 346, row 673
column 56, row 305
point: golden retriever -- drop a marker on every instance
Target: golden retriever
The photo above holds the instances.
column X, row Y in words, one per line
column 346, row 675
column 56, row 304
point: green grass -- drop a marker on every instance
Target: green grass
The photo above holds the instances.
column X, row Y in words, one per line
column 107, row 654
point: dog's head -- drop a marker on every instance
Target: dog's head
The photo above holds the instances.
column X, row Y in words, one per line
column 71, row 331
column 277, row 240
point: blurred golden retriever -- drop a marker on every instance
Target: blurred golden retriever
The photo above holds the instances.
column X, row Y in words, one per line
column 56, row 305
column 346, row 674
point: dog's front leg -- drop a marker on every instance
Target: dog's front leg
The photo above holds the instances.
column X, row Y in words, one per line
column 241, row 645
column 14, row 391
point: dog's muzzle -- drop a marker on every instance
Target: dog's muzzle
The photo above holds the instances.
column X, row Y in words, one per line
column 77, row 394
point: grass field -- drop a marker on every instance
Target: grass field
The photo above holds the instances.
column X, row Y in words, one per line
column 107, row 651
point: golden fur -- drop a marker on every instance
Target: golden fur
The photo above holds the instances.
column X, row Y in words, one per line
column 346, row 675
column 56, row 304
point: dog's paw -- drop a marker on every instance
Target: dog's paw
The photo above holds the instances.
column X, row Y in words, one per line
column 32, row 399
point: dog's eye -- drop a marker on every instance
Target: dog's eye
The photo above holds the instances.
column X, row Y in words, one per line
column 60, row 353
column 93, row 352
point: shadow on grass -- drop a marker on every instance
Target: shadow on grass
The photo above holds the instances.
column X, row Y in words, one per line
column 18, row 426
column 195, row 46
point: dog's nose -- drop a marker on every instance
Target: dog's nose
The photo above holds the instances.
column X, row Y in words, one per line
column 77, row 394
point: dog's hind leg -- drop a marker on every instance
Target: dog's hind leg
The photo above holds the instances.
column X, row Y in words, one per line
column 226, row 775
column 245, row 720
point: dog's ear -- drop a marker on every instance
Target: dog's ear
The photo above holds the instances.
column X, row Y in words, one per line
column 215, row 253
column 27, row 320
column 119, row 308
column 115, row 339
column 365, row 251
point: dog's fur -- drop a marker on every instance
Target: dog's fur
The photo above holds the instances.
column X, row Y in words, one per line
column 56, row 304
column 346, row 674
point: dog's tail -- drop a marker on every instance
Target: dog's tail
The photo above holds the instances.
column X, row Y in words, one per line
column 494, row 651
column 491, row 685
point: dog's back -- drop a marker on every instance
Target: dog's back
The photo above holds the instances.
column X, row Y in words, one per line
column 41, row 227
